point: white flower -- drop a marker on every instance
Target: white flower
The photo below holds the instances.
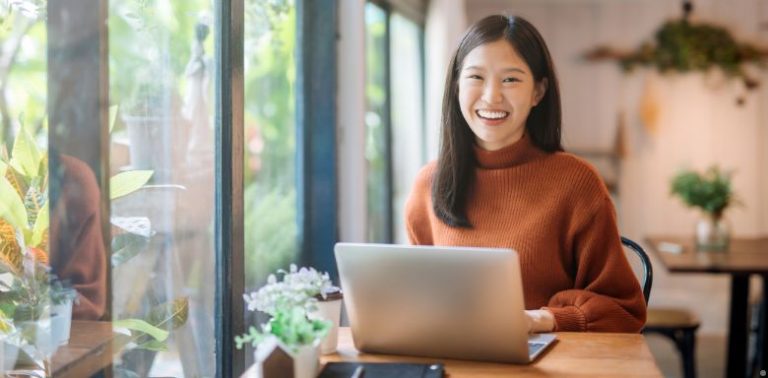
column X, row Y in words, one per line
column 299, row 288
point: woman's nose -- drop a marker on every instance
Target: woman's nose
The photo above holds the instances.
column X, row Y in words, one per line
column 492, row 93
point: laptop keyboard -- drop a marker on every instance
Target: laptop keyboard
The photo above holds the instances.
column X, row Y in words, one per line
column 533, row 347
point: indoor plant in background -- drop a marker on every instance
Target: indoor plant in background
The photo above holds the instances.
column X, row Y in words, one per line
column 710, row 192
column 292, row 304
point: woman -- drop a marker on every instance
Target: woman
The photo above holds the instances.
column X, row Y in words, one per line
column 503, row 180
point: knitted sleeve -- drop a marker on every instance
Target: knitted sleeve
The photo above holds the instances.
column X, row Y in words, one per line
column 605, row 297
column 418, row 207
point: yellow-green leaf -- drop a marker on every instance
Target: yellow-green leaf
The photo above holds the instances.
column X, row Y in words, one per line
column 10, row 252
column 40, row 228
column 112, row 117
column 34, row 201
column 16, row 180
column 3, row 168
column 11, row 206
column 141, row 326
column 126, row 183
column 25, row 156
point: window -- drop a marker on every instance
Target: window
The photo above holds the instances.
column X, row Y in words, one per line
column 271, row 240
column 394, row 118
column 160, row 69
column 128, row 114
column 377, row 140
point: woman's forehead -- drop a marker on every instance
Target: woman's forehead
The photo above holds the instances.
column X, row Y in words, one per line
column 498, row 55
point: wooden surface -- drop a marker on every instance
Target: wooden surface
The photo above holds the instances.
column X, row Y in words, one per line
column 89, row 350
column 746, row 255
column 573, row 354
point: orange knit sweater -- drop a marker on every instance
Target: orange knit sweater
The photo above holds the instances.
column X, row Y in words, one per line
column 554, row 210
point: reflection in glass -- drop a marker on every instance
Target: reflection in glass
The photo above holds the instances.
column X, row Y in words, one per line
column 376, row 119
column 162, row 163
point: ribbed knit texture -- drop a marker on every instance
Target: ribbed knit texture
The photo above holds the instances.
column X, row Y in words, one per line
column 554, row 210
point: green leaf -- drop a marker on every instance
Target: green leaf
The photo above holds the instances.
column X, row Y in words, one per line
column 154, row 345
column 141, row 326
column 127, row 246
column 126, row 183
column 112, row 117
column 25, row 156
column 175, row 312
column 11, row 206
column 40, row 227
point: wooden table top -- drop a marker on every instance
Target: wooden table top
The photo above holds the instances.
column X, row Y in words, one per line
column 746, row 255
column 573, row 354
column 89, row 350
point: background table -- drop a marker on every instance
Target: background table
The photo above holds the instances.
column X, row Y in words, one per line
column 746, row 256
column 574, row 354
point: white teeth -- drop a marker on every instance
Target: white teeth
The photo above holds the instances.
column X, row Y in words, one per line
column 491, row 114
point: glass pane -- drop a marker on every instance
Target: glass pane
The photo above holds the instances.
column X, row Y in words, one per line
column 162, row 165
column 408, row 149
column 376, row 118
column 270, row 139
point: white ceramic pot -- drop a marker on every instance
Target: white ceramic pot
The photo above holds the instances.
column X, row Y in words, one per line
column 329, row 309
column 306, row 361
column 61, row 322
column 38, row 334
column 9, row 351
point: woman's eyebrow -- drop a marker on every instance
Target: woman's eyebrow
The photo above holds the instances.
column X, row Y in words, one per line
column 514, row 69
column 505, row 70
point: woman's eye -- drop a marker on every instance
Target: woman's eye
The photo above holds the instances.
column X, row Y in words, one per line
column 511, row 80
column 474, row 77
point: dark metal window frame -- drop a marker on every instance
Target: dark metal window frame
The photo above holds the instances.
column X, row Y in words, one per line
column 316, row 155
column 230, row 272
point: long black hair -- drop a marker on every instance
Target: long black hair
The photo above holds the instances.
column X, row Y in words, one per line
column 456, row 163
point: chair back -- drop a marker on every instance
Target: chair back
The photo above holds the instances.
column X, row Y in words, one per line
column 641, row 265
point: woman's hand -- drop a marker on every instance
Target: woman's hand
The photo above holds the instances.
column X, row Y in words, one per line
column 540, row 321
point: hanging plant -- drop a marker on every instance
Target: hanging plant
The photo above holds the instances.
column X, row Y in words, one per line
column 683, row 46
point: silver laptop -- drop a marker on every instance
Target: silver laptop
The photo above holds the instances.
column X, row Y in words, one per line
column 446, row 302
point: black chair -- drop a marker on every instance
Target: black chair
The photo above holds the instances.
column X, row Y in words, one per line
column 640, row 261
column 680, row 325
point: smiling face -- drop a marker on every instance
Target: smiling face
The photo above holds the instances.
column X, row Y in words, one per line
column 496, row 92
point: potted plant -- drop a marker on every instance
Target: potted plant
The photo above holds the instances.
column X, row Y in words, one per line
column 295, row 321
column 710, row 192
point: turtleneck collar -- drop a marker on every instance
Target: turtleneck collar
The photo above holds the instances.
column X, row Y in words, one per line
column 516, row 153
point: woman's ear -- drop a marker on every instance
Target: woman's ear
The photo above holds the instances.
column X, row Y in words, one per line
column 540, row 90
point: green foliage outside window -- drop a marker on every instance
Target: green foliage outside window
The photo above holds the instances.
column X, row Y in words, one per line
column 271, row 230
